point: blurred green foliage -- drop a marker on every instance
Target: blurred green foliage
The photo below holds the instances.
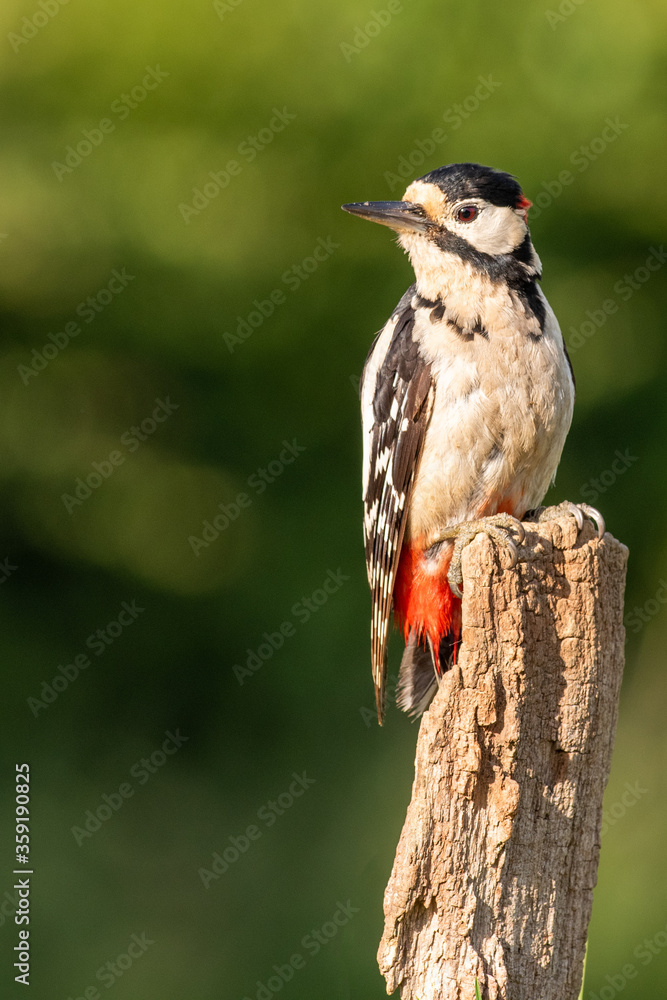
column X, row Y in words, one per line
column 152, row 99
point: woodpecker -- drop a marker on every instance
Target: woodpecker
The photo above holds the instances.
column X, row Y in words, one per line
column 466, row 397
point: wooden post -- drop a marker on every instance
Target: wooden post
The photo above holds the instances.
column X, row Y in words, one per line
column 498, row 858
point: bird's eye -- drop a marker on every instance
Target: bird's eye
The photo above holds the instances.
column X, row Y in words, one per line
column 467, row 213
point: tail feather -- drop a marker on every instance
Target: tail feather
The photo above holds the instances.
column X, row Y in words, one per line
column 418, row 678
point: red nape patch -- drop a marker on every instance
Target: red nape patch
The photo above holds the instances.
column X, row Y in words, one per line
column 423, row 601
column 524, row 203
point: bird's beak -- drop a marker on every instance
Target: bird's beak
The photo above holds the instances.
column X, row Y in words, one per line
column 403, row 216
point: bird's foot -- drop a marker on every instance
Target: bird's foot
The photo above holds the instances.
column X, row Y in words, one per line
column 496, row 526
column 578, row 511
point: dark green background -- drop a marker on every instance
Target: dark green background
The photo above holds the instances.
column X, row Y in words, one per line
column 556, row 78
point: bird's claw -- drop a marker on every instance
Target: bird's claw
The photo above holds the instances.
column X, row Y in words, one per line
column 594, row 514
column 496, row 526
column 578, row 512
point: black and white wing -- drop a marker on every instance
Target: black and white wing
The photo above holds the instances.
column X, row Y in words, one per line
column 396, row 404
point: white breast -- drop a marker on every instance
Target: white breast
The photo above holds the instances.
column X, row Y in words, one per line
column 502, row 410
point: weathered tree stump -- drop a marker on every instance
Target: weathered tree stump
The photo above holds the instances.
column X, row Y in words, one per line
column 498, row 858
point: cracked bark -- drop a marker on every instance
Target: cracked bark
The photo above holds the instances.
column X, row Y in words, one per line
column 496, row 865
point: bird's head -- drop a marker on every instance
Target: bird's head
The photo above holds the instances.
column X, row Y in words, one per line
column 463, row 212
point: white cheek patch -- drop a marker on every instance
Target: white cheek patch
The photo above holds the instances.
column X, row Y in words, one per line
column 496, row 230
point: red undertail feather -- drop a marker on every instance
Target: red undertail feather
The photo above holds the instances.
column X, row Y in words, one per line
column 423, row 601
